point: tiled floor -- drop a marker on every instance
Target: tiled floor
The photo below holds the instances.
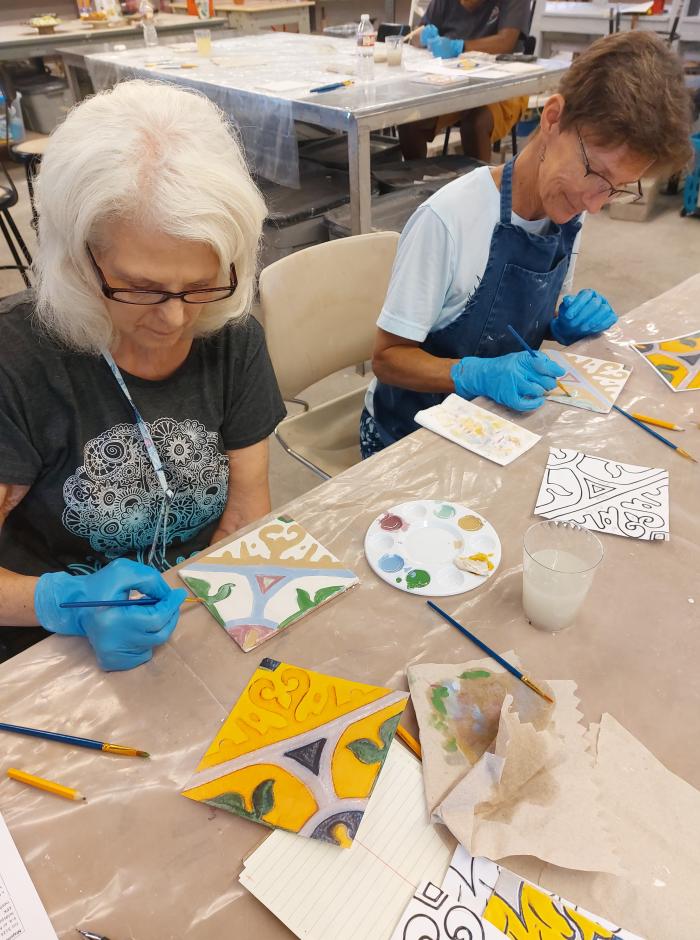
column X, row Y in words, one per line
column 629, row 262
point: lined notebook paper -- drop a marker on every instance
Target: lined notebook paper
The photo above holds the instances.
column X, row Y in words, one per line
column 320, row 891
column 22, row 915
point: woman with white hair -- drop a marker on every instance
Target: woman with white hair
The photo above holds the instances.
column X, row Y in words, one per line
column 136, row 395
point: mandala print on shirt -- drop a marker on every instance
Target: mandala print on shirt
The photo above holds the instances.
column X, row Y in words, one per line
column 113, row 501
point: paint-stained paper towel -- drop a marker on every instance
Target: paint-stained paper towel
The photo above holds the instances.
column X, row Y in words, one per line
column 653, row 817
column 507, row 773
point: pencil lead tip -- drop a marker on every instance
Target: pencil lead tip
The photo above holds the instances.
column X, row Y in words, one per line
column 142, row 754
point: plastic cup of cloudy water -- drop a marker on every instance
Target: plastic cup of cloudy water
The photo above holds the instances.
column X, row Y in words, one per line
column 560, row 560
column 394, row 49
column 203, row 39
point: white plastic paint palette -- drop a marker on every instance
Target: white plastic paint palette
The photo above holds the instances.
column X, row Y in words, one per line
column 415, row 546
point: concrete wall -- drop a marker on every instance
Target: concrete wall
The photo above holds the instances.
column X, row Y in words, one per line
column 332, row 12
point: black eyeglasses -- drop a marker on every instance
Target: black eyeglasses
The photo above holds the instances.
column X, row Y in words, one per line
column 614, row 194
column 145, row 298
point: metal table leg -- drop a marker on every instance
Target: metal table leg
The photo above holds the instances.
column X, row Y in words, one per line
column 360, row 181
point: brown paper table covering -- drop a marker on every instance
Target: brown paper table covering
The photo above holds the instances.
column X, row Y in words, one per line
column 140, row 861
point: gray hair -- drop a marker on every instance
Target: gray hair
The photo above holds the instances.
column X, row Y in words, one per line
column 152, row 154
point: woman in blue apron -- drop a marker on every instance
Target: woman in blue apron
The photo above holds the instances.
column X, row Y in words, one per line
column 494, row 248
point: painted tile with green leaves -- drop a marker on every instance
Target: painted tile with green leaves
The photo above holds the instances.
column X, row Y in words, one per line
column 266, row 580
column 300, row 751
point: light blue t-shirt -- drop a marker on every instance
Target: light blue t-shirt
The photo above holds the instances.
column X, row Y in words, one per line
column 442, row 256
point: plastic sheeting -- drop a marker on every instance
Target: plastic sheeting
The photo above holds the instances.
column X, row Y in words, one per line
column 139, row 861
column 261, row 81
column 253, row 79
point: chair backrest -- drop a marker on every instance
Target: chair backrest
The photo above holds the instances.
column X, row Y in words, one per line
column 320, row 307
column 531, row 16
column 417, row 11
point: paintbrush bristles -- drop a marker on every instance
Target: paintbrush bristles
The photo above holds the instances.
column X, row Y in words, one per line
column 535, row 688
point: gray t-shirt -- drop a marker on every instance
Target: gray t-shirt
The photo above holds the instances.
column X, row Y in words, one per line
column 454, row 21
column 67, row 431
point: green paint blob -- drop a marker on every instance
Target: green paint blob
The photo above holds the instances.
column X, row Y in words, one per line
column 450, row 746
column 475, row 674
column 438, row 694
column 417, row 579
column 445, row 512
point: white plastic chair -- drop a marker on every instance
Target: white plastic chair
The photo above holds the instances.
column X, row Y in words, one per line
column 320, row 308
column 418, row 8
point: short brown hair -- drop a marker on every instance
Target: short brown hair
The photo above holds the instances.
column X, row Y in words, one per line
column 629, row 89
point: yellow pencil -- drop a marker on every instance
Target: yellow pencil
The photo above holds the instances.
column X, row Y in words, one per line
column 657, row 422
column 410, row 742
column 68, row 793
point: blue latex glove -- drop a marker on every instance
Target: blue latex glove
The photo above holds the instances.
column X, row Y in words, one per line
column 586, row 313
column 444, row 48
column 122, row 637
column 427, row 33
column 517, row 380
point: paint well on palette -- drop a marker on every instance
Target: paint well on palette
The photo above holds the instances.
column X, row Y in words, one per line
column 391, row 563
column 445, row 511
column 417, row 579
column 470, row 523
column 391, row 523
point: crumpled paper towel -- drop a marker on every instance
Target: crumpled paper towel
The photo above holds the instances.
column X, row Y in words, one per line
column 653, row 817
column 506, row 772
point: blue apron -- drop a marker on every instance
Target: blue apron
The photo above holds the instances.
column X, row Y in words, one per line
column 521, row 283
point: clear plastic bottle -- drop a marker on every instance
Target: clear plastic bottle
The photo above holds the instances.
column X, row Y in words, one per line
column 15, row 132
column 150, row 36
column 366, row 38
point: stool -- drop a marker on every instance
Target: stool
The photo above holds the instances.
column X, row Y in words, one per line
column 8, row 198
column 29, row 154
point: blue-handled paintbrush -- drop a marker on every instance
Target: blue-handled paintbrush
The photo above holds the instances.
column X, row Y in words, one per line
column 527, row 348
column 76, row 742
column 659, row 437
column 492, row 653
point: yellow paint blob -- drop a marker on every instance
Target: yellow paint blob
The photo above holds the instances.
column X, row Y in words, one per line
column 470, row 523
column 340, row 834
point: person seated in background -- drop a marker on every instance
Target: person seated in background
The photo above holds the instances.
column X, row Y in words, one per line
column 485, row 26
column 136, row 394
column 494, row 248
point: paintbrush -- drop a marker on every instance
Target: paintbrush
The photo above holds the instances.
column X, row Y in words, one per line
column 530, row 350
column 664, row 440
column 125, row 602
column 410, row 35
column 492, row 653
column 121, row 749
